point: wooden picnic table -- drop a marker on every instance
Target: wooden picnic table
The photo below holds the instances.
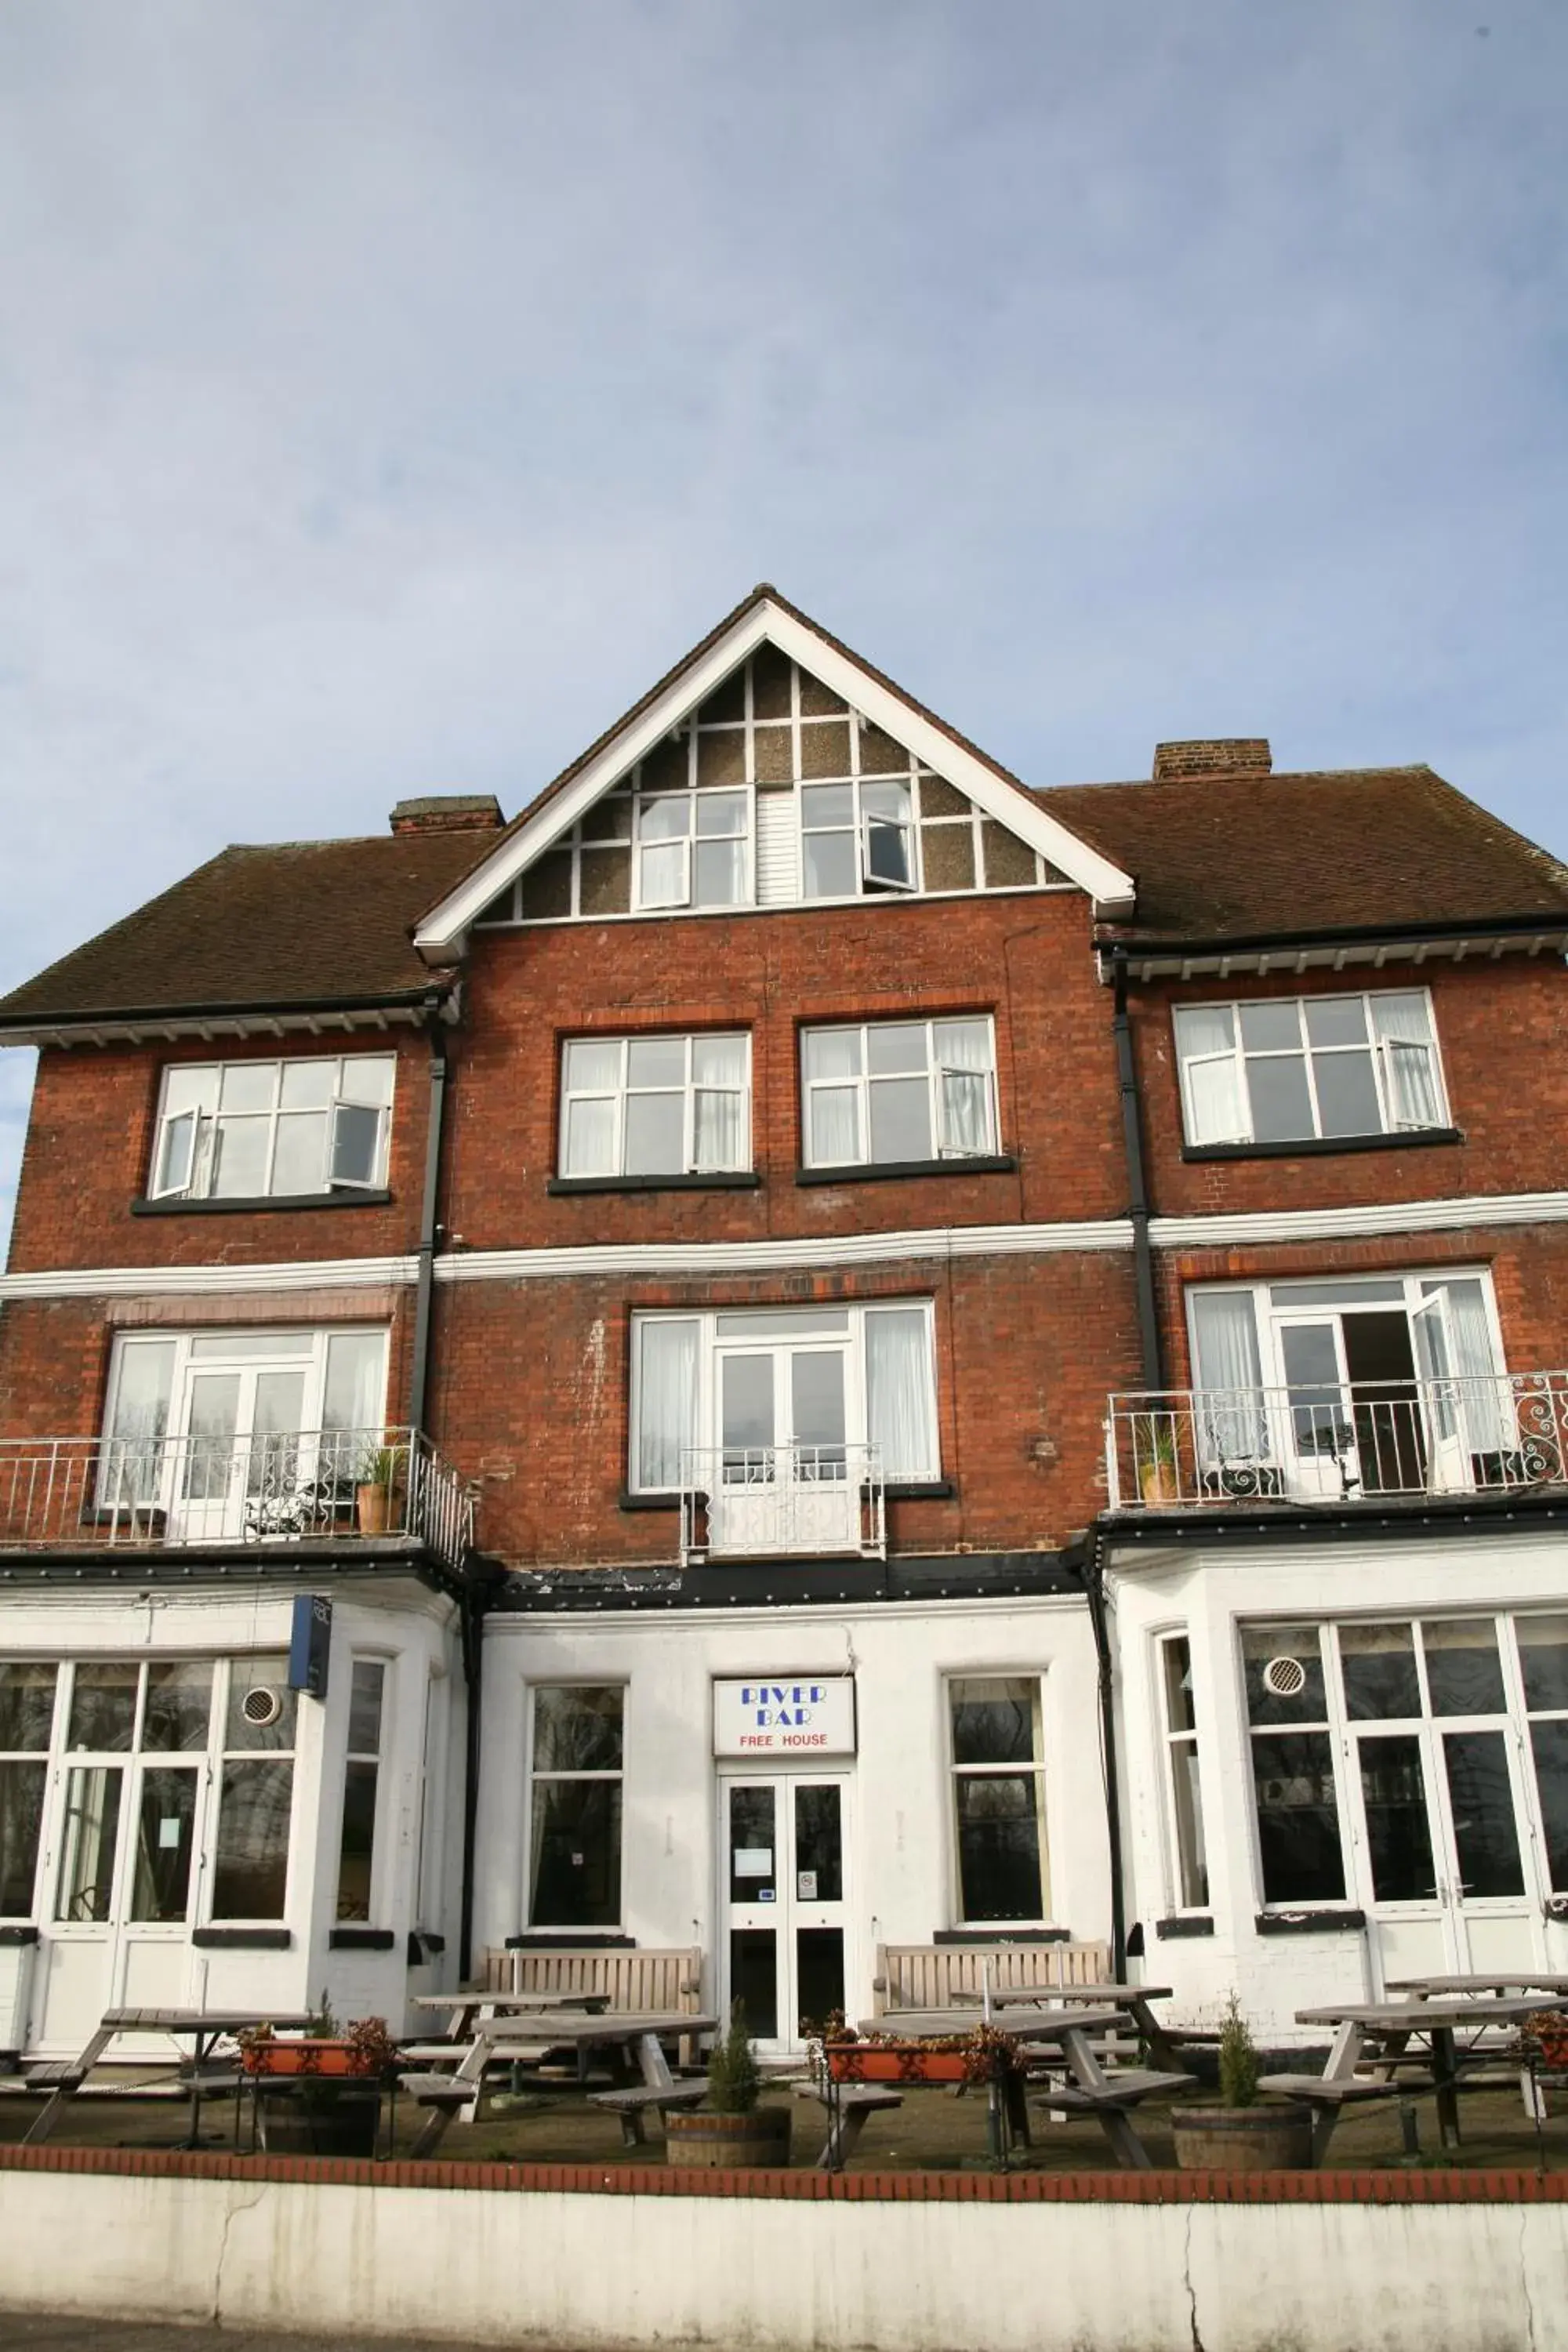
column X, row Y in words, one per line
column 1134, row 2000
column 1499, row 1981
column 462, row 2006
column 205, row 2027
column 1066, row 2030
column 639, row 2034
column 1379, row 2034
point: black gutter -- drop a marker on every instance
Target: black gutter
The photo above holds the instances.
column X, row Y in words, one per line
column 1139, row 1207
column 424, row 1280
column 1480, row 927
column 1090, row 1566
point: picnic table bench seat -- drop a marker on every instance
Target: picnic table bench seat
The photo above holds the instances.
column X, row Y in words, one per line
column 1123, row 2088
column 848, row 2105
column 436, row 2090
column 629, row 2104
column 1326, row 2096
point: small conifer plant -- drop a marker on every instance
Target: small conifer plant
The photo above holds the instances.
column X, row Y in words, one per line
column 733, row 2082
column 1238, row 2058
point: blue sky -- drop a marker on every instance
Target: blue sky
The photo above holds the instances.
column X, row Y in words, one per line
column 390, row 390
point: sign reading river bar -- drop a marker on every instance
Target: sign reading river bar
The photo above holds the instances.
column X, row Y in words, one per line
column 801, row 1716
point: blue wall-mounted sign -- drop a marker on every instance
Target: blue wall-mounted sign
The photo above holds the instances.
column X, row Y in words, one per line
column 310, row 1644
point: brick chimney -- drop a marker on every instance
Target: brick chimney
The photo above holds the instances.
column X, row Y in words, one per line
column 1215, row 755
column 448, row 813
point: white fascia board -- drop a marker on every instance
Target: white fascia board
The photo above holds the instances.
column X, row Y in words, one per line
column 697, row 1259
column 439, row 935
column 209, row 1281
column 1221, row 1232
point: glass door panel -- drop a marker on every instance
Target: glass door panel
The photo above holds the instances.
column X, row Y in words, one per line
column 824, row 1509
column 89, row 1844
column 743, row 1510
column 785, row 1925
column 1398, row 1824
column 1479, row 1790
column 1448, row 1458
column 753, row 1874
column 165, row 1843
column 205, row 1503
column 1318, row 1423
column 818, row 1843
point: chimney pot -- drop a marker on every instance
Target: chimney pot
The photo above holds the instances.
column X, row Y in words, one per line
column 1214, row 755
column 448, row 813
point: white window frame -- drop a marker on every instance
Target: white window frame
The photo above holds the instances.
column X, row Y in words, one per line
column 533, row 1777
column 1269, row 1319
column 684, row 901
column 1379, row 1047
column 956, row 1771
column 190, row 1175
column 380, row 1835
column 935, row 1073
column 711, row 1341
column 1172, row 1738
column 868, row 885
column 689, row 1090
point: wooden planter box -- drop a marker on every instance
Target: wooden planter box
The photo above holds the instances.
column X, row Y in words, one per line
column 854, row 2061
column 306, row 2055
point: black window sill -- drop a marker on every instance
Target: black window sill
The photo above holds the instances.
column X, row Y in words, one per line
column 879, row 1171
column 423, row 1945
column 586, row 1939
column 1184, row 1923
column 1319, row 1146
column 629, row 1502
column 920, row 1490
column 1000, row 1933
column 242, row 1939
column 1309, row 1923
column 737, row 1181
column 269, row 1203
column 360, row 1940
column 23, row 1932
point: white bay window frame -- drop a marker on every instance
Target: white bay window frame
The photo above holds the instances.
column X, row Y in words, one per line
column 702, row 1151
column 348, row 1097
column 947, row 1081
column 1399, row 1041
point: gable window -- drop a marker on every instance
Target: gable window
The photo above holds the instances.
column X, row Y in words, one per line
column 1292, row 1069
column 856, row 836
column 693, row 849
column 899, row 1090
column 998, row 1797
column 655, row 1106
column 744, row 1386
column 248, row 1130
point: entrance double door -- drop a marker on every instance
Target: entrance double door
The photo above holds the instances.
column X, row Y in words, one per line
column 785, row 1909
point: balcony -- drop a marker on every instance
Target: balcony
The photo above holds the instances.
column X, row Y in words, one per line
column 277, row 1487
column 1186, row 1449
column 766, row 1502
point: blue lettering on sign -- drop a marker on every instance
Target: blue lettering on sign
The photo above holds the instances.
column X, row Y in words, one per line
column 781, row 1706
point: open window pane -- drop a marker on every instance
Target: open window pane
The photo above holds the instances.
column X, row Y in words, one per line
column 356, row 1144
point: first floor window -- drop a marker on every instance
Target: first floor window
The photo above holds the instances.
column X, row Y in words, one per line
column 998, row 1797
column 1184, row 1780
column 899, row 1090
column 1300, row 1852
column 362, row 1772
column 1289, row 1069
column 242, row 1131
column 739, row 1384
column 655, row 1105
column 574, row 1858
column 250, row 1863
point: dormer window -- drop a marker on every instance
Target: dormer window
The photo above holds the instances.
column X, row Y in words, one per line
column 258, row 1131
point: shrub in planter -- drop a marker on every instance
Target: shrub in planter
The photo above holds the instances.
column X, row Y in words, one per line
column 731, row 2128
column 1244, row 2134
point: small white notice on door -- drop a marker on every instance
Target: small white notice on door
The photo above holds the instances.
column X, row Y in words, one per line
column 805, row 1885
column 753, row 1862
column 169, row 1830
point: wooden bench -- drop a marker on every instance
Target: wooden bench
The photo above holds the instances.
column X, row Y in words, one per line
column 630, row 2105
column 937, row 1976
column 848, row 2105
column 622, row 1977
column 1327, row 2098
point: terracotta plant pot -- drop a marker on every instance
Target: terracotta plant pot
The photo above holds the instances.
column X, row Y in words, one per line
column 1159, row 1483
column 879, row 2063
column 1264, row 2139
column 724, row 2143
column 305, row 2054
column 374, row 1506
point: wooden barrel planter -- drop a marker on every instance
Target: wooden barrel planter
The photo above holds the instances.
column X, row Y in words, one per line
column 725, row 2143
column 1243, row 2140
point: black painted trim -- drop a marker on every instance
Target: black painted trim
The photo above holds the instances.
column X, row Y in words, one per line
column 1513, row 1510
column 242, row 1939
column 177, row 1206
column 1309, row 1923
column 1134, row 950
column 1184, row 1923
column 920, row 1490
column 561, row 1939
column 876, row 1172
column 627, row 1501
column 774, row 1584
column 423, row 1945
column 1319, row 1146
column 1002, row 1934
column 360, row 1940
column 731, row 1181
column 19, row 1934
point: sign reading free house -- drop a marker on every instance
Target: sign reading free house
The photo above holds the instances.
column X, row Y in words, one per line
column 796, row 1716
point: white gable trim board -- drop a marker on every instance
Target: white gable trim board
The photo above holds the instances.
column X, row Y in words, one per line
column 440, row 934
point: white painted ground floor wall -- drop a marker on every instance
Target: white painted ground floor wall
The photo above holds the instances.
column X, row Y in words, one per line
column 586, row 2273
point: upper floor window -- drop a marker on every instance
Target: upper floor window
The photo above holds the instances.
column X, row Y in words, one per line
column 655, row 1106
column 1289, row 1069
column 247, row 1130
column 856, row 836
column 693, row 849
column 899, row 1090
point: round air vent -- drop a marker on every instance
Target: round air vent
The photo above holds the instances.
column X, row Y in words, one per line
column 1285, row 1678
column 261, row 1708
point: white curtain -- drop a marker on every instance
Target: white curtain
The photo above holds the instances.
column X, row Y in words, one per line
column 1216, row 1101
column 667, row 1400
column 1232, row 1419
column 134, row 1458
column 899, row 1404
column 1405, row 1035
column 718, row 1071
column 1483, row 1397
column 964, row 1059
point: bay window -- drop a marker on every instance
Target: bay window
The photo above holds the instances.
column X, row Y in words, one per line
column 1297, row 1069
column 890, row 1091
column 655, row 1105
column 997, row 1771
column 251, row 1130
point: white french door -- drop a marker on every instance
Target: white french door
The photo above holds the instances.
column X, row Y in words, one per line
column 782, row 1845
column 784, row 1482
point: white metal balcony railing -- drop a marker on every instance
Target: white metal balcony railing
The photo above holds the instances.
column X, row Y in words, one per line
column 1193, row 1447
column 741, row 1502
column 277, row 1487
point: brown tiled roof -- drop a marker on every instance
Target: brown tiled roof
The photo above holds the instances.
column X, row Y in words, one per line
column 300, row 923
column 1252, row 856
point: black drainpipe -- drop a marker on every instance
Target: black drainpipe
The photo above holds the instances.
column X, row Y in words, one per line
column 1093, row 1573
column 424, row 1281
column 471, row 1627
column 1138, row 1203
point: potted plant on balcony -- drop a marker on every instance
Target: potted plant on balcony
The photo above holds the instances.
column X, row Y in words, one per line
column 731, row 2129
column 1154, row 1450
column 319, row 2092
column 379, row 1475
column 1243, row 2134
